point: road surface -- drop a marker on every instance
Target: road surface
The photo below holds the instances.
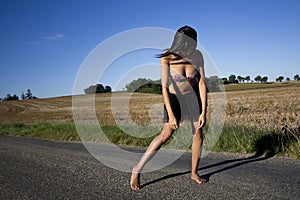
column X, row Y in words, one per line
column 39, row 169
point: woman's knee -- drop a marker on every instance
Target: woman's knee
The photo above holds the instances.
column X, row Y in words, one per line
column 166, row 133
column 198, row 134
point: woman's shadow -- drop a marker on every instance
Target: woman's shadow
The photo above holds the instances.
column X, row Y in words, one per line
column 263, row 152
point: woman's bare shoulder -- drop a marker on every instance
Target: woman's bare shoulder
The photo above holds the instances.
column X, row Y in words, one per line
column 167, row 57
column 165, row 51
column 164, row 60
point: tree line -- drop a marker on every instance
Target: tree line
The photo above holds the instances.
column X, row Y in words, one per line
column 27, row 95
column 259, row 79
column 98, row 88
column 144, row 85
column 149, row 86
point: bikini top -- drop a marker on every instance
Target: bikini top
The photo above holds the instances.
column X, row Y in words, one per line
column 192, row 79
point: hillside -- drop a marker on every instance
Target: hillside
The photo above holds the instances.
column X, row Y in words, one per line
column 268, row 108
column 256, row 120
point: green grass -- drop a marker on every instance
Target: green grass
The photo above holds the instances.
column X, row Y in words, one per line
column 232, row 139
column 251, row 140
column 68, row 132
column 51, row 131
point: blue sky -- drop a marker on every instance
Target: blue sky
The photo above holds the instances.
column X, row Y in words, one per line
column 44, row 43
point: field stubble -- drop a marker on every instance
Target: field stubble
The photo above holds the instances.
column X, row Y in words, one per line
column 273, row 109
column 270, row 110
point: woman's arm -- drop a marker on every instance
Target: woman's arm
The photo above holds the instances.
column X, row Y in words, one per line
column 202, row 92
column 164, row 65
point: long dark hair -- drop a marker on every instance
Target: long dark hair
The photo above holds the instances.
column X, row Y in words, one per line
column 184, row 39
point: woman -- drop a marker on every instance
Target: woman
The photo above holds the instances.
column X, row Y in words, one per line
column 185, row 96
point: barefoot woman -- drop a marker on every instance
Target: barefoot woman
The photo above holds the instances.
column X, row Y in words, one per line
column 185, row 96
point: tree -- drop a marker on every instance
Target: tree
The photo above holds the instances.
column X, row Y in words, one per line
column 247, row 78
column 243, row 79
column 257, row 78
column 23, row 96
column 232, row 79
column 296, row 77
column 98, row 88
column 145, row 86
column 9, row 97
column 28, row 94
column 264, row 79
column 134, row 85
column 90, row 90
column 240, row 78
column 287, row 79
column 280, row 78
column 107, row 89
column 225, row 81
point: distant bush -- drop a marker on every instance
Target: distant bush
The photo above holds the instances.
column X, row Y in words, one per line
column 27, row 95
column 144, row 85
column 9, row 97
column 98, row 88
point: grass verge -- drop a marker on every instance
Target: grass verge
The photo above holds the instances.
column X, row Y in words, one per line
column 233, row 138
column 51, row 131
column 252, row 140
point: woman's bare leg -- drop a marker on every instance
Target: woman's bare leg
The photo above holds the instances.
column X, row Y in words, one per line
column 196, row 152
column 156, row 143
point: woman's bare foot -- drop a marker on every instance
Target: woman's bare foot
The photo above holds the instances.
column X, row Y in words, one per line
column 198, row 179
column 135, row 180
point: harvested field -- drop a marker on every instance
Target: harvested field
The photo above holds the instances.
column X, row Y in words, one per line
column 271, row 109
column 261, row 121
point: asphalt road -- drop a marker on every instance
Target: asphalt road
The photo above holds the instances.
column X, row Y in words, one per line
column 38, row 169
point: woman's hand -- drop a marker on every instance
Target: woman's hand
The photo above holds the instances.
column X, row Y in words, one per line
column 202, row 120
column 173, row 122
